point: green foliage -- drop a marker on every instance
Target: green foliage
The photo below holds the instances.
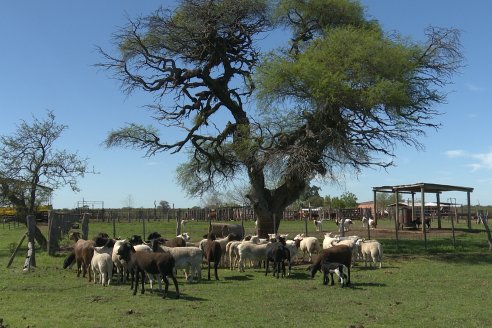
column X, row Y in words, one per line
column 346, row 200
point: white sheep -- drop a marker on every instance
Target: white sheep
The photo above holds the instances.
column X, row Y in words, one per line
column 223, row 243
column 291, row 245
column 232, row 253
column 250, row 251
column 329, row 237
column 372, row 223
column 102, row 264
column 120, row 264
column 352, row 244
column 187, row 258
column 308, row 245
column 370, row 250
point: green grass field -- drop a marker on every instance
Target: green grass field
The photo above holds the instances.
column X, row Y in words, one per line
column 441, row 286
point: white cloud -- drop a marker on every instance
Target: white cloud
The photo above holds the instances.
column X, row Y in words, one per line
column 475, row 88
column 152, row 163
column 485, row 159
column 479, row 160
column 455, row 153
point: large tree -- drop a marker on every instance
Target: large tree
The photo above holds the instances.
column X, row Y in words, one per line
column 340, row 95
column 31, row 166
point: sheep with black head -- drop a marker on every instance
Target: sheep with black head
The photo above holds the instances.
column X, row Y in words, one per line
column 151, row 263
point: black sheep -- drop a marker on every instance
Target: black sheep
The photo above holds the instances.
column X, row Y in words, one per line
column 152, row 263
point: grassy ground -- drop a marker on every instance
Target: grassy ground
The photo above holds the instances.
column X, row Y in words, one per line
column 437, row 286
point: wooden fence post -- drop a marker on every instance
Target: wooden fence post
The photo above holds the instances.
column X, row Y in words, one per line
column 85, row 226
column 31, row 254
column 178, row 222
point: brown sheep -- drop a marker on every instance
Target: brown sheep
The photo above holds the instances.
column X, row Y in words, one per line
column 337, row 254
column 212, row 253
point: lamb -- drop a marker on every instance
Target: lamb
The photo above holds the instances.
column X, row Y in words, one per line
column 187, row 258
column 102, row 264
column 333, row 267
column 337, row 254
column 307, row 244
column 372, row 223
column 370, row 250
column 152, row 263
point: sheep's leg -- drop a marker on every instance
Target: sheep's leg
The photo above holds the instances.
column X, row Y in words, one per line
column 325, row 277
column 158, row 277
column 175, row 282
column 143, row 282
column 166, row 285
column 231, row 263
column 135, row 276
column 266, row 267
column 216, row 264
column 90, row 273
column 241, row 265
column 208, row 270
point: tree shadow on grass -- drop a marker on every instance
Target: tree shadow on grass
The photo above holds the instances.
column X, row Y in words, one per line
column 239, row 278
column 189, row 298
column 364, row 285
column 464, row 258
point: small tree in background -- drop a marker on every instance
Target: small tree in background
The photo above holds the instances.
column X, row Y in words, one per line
column 30, row 166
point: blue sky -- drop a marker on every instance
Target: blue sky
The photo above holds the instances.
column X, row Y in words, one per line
column 48, row 53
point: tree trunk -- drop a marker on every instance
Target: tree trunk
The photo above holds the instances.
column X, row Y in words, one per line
column 267, row 203
column 269, row 211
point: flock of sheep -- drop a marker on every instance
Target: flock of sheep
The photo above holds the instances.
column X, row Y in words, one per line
column 159, row 258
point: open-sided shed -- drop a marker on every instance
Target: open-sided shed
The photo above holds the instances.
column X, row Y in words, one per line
column 422, row 188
